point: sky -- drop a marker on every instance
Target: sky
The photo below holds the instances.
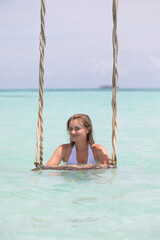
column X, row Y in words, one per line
column 78, row 51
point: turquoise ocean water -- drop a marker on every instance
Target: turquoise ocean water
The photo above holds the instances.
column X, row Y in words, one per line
column 121, row 203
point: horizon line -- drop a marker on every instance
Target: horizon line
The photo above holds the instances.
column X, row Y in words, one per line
column 82, row 89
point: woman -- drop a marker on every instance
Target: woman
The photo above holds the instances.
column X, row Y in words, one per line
column 81, row 149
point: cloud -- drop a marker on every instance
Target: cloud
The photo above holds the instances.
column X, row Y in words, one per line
column 123, row 71
column 155, row 61
column 155, row 68
column 98, row 67
column 49, row 74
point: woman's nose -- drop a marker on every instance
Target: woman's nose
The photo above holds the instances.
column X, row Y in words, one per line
column 73, row 131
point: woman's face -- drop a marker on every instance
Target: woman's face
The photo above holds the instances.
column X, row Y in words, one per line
column 77, row 131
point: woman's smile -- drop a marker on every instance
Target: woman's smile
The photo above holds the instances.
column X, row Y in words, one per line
column 73, row 137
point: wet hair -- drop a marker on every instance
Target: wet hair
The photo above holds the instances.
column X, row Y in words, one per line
column 86, row 121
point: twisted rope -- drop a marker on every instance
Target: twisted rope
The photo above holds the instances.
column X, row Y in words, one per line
column 114, row 82
column 39, row 145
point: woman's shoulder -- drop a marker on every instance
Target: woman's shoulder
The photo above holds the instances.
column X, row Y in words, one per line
column 65, row 147
column 101, row 153
column 98, row 149
column 65, row 150
column 97, row 146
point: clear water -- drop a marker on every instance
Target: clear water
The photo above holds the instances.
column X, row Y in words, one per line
column 121, row 203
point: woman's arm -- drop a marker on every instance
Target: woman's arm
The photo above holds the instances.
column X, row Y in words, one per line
column 56, row 158
column 102, row 155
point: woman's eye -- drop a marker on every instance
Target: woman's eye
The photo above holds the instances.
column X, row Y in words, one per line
column 77, row 129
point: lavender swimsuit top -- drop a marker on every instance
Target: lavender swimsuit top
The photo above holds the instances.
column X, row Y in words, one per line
column 73, row 159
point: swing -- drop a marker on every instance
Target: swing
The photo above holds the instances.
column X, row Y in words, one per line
column 39, row 145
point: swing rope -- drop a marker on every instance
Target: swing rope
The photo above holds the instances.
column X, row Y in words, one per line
column 114, row 82
column 39, row 145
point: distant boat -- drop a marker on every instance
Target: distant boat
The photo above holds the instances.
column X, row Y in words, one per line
column 107, row 87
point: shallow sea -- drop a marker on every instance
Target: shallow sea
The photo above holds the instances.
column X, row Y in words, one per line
column 121, row 203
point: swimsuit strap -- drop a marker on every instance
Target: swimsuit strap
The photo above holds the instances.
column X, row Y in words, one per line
column 72, row 158
column 90, row 156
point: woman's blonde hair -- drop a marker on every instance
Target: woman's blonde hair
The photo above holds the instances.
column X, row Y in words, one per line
column 86, row 121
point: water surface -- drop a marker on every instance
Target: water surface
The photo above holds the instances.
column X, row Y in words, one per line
column 121, row 203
